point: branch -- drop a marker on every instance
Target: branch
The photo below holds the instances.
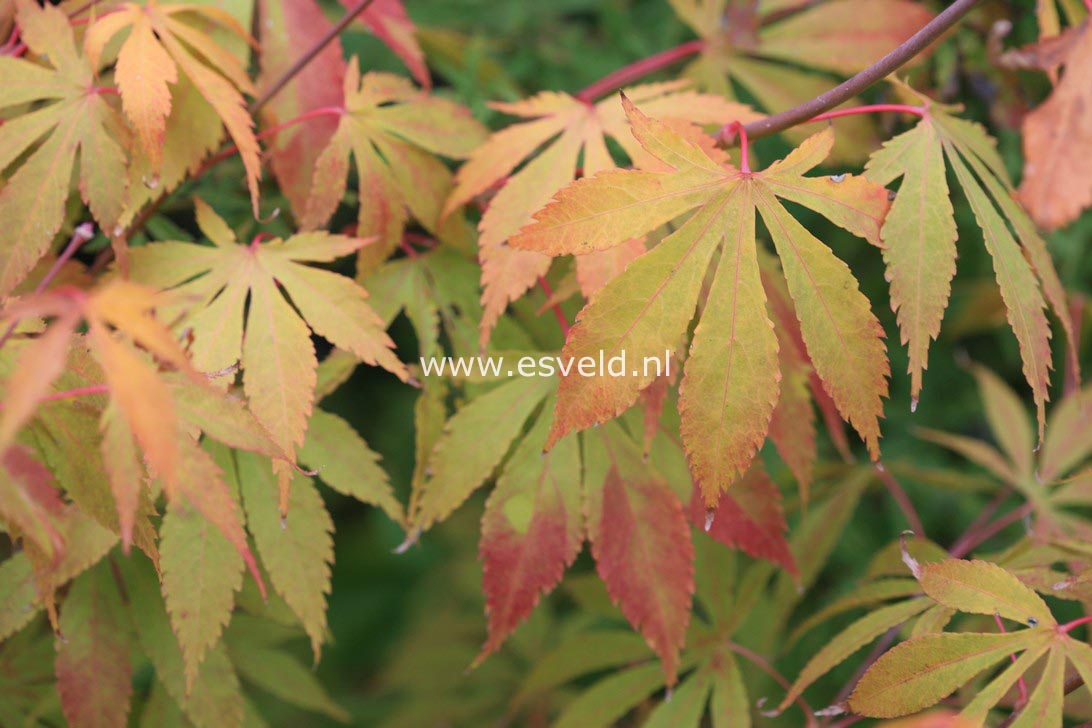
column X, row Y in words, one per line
column 879, row 70
column 639, row 69
column 309, row 56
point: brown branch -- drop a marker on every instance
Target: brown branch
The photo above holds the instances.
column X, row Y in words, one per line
column 879, row 70
column 309, row 56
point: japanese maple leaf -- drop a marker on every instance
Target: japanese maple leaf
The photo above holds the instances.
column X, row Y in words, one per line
column 143, row 409
column 288, row 29
column 1057, row 182
column 927, row 668
column 920, row 237
column 392, row 130
column 388, row 20
column 221, row 282
column 71, row 115
column 730, row 383
column 750, row 44
column 164, row 42
column 574, row 126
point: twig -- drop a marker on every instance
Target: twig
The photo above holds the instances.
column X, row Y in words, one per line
column 558, row 313
column 901, row 498
column 901, row 55
column 83, row 232
column 969, row 541
column 960, row 548
column 639, row 69
column 309, row 56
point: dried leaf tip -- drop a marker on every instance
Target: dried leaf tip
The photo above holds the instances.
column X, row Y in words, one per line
column 910, row 561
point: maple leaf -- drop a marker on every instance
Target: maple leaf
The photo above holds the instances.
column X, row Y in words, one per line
column 574, row 127
column 93, row 653
column 29, row 501
column 345, row 463
column 748, row 517
column 288, row 29
column 75, row 117
column 277, row 355
column 163, row 44
column 641, row 542
column 1022, row 263
column 388, row 20
column 298, row 549
column 730, row 383
column 752, row 44
column 925, row 669
column 215, row 698
column 474, row 441
column 145, row 408
column 1057, row 181
column 532, row 530
column 201, row 573
column 392, row 130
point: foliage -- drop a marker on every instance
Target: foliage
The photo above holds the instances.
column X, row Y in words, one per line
column 190, row 346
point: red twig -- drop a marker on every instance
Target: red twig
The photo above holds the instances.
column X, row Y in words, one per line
column 83, row 232
column 869, row 109
column 901, row 498
column 1068, row 626
column 638, row 70
column 309, row 55
column 726, row 136
column 407, row 248
column 1020, row 682
column 561, row 319
column 970, row 540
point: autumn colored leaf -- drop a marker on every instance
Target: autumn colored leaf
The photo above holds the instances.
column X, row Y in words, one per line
column 559, row 128
column 277, row 356
column 730, row 383
column 920, row 235
column 93, row 653
column 165, row 42
column 748, row 517
column 1022, row 265
column 792, row 423
column 532, row 530
column 983, row 587
column 72, row 115
column 641, row 542
column 392, row 130
column 388, row 20
column 29, row 501
column 119, row 316
column 921, row 672
column 288, row 28
column 1057, row 180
